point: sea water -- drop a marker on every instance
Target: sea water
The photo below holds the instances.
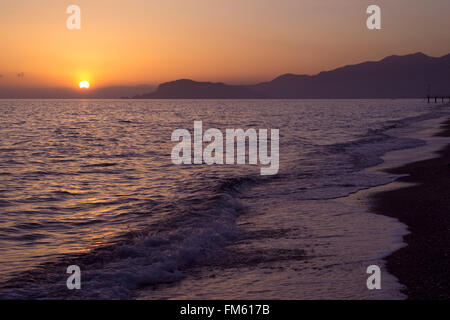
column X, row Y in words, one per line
column 91, row 183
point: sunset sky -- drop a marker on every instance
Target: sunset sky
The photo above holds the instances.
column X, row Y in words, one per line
column 128, row 42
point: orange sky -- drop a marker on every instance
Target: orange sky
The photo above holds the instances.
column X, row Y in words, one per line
column 235, row 41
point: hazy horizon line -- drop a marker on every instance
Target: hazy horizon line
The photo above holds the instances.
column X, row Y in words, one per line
column 248, row 82
column 76, row 93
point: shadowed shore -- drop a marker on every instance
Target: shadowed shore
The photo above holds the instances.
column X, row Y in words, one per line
column 424, row 265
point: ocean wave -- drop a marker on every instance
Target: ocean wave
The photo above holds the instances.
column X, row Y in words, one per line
column 149, row 257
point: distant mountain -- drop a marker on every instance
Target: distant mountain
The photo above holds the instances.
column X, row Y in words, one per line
column 188, row 89
column 111, row 92
column 114, row 92
column 409, row 76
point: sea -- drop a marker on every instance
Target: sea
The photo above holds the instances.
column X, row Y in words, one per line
column 91, row 183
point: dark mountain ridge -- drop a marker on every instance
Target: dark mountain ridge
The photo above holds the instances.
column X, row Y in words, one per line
column 408, row 76
column 189, row 89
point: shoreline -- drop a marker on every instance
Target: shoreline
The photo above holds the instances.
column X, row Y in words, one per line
column 423, row 266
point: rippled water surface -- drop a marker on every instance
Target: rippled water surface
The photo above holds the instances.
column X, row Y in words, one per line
column 92, row 183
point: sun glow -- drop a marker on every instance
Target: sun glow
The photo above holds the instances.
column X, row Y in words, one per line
column 84, row 85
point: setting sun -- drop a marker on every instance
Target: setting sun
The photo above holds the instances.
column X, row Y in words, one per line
column 84, row 85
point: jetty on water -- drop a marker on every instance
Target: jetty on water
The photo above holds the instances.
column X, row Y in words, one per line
column 437, row 98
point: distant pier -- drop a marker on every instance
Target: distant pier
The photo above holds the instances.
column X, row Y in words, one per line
column 438, row 98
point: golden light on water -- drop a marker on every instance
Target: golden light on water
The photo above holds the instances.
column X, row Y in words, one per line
column 84, row 85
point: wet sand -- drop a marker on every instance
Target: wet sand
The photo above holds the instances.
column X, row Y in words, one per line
column 423, row 266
